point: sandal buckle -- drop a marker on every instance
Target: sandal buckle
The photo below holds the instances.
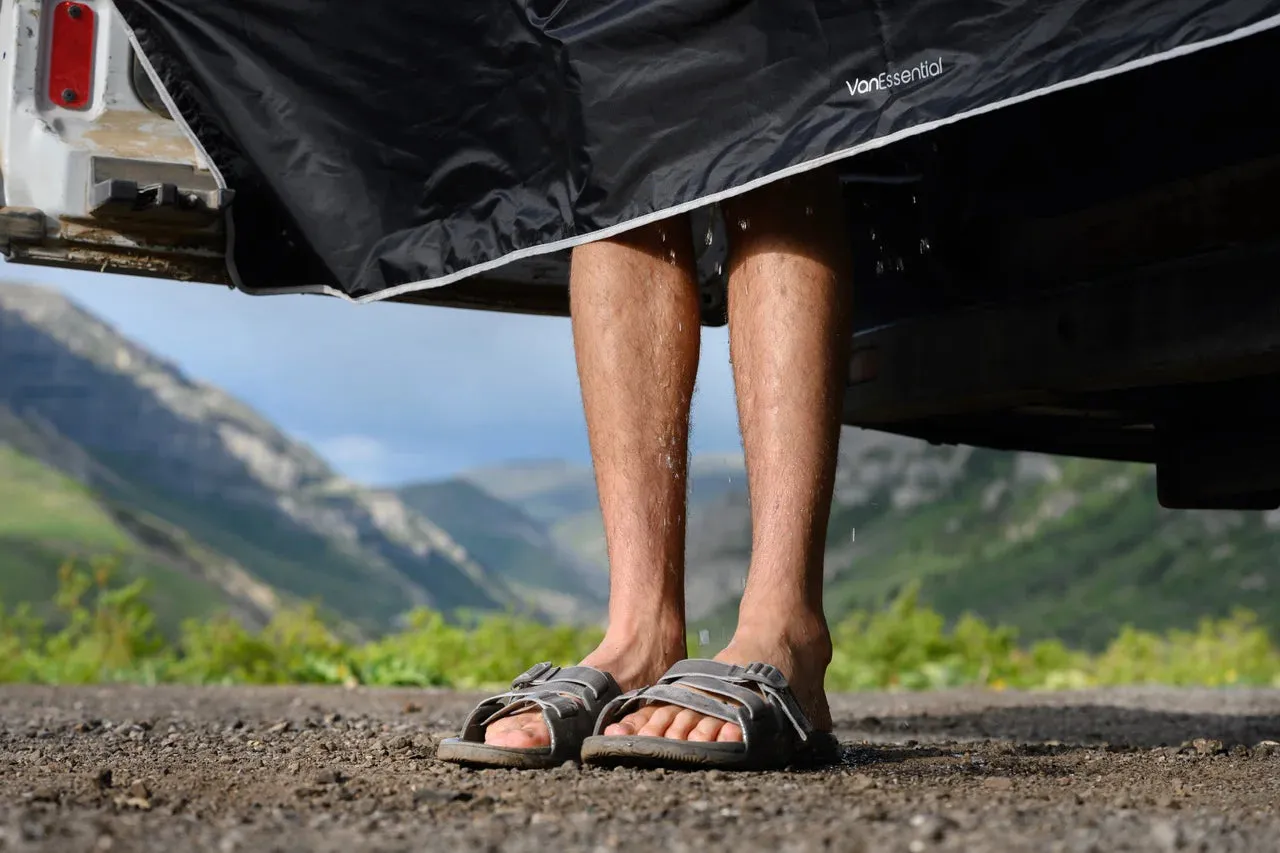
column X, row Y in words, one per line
column 767, row 673
column 535, row 674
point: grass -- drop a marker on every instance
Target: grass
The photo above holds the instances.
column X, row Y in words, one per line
column 42, row 504
column 48, row 517
column 1112, row 558
column 109, row 633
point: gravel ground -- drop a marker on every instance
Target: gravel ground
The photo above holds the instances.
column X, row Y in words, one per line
column 232, row 769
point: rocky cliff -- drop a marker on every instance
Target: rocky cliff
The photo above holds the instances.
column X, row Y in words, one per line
column 143, row 436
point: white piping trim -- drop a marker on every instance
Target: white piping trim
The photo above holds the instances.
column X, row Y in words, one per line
column 657, row 216
column 170, row 104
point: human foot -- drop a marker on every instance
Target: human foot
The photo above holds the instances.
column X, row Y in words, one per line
column 802, row 655
column 632, row 663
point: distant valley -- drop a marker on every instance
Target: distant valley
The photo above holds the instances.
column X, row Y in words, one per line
column 107, row 449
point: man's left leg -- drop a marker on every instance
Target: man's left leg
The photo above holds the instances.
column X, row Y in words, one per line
column 788, row 334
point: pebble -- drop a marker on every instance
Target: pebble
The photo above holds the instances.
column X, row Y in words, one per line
column 931, row 827
column 1266, row 748
column 328, row 776
column 1166, row 835
column 998, row 783
column 860, row 782
column 1208, row 746
column 433, row 795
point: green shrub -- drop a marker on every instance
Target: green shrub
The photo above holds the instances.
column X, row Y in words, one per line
column 105, row 632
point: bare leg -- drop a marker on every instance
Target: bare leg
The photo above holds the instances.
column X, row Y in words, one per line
column 634, row 302
column 788, row 334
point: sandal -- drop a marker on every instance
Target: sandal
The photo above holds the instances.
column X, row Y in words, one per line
column 570, row 698
column 757, row 698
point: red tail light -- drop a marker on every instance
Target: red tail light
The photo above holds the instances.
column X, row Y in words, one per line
column 71, row 55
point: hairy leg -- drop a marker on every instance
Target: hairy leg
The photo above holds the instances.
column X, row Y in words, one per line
column 634, row 303
column 789, row 330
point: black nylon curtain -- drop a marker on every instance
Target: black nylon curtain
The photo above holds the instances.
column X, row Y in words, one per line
column 381, row 144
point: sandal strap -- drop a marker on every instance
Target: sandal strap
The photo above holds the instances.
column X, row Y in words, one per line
column 766, row 678
column 757, row 698
column 568, row 697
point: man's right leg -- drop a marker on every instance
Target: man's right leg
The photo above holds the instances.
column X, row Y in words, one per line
column 636, row 325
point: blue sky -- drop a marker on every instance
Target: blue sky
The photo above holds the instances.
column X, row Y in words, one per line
column 387, row 393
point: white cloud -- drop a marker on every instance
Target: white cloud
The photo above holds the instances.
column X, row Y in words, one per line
column 369, row 460
column 347, row 450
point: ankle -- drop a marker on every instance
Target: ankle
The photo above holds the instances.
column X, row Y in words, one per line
column 637, row 653
column 801, row 629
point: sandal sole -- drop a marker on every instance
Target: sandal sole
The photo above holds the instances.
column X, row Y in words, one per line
column 471, row 754
column 654, row 752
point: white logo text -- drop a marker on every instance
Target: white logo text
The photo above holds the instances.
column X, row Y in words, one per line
column 889, row 79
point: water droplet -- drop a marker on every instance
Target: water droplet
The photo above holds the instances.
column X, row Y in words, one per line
column 663, row 235
column 709, row 237
column 808, row 211
column 925, row 246
column 853, row 535
column 879, row 267
column 704, row 637
column 671, row 256
column 914, row 200
column 719, row 269
column 873, row 234
column 744, row 224
column 898, row 264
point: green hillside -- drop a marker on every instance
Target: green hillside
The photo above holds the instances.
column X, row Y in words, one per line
column 200, row 483
column 1075, row 553
column 561, row 498
column 510, row 543
column 46, row 518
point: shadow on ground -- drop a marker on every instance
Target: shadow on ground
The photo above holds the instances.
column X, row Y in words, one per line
column 1103, row 725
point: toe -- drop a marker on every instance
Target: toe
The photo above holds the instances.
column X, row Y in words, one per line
column 631, row 723
column 517, row 739
column 707, row 730
column 730, row 733
column 685, row 722
column 522, row 731
column 621, row 728
column 661, row 720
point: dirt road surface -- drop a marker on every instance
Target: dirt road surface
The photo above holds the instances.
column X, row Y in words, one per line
column 231, row 769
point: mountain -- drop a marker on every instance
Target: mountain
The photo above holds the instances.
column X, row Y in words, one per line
column 516, row 546
column 546, row 490
column 47, row 517
column 562, row 497
column 1056, row 547
column 157, row 463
